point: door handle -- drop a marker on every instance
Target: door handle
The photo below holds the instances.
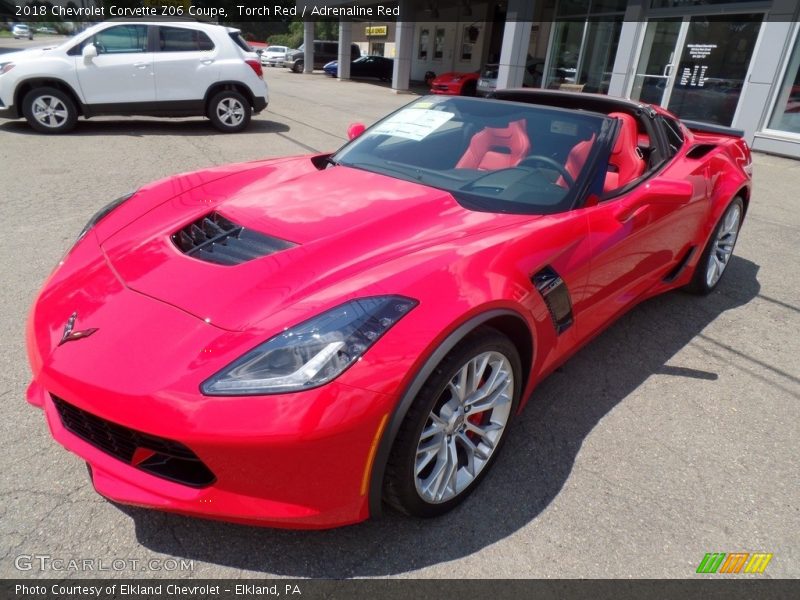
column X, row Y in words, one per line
column 140, row 65
column 667, row 70
column 207, row 61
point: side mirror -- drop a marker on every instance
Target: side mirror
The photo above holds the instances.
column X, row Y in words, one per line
column 355, row 130
column 89, row 53
column 667, row 191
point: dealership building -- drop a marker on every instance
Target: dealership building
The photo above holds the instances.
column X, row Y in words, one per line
column 733, row 63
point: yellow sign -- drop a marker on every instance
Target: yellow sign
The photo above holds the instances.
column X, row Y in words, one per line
column 375, row 30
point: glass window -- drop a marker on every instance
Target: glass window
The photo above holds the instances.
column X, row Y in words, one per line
column 490, row 155
column 582, row 54
column 422, row 53
column 121, row 39
column 438, row 44
column 599, row 52
column 564, row 53
column 786, row 116
column 178, row 39
column 674, row 134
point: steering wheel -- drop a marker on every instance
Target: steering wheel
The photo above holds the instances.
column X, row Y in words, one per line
column 539, row 158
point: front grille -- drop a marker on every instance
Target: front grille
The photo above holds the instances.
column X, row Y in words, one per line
column 215, row 239
column 158, row 456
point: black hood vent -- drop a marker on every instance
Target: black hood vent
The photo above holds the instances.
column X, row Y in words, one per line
column 218, row 240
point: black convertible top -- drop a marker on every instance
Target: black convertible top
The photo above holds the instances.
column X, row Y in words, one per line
column 575, row 100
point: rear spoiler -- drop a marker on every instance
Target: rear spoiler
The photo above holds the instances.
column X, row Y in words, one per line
column 711, row 128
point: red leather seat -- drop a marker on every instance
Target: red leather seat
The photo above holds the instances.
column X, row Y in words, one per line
column 495, row 148
column 576, row 159
column 626, row 162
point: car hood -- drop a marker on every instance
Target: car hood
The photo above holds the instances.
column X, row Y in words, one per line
column 450, row 76
column 28, row 54
column 326, row 227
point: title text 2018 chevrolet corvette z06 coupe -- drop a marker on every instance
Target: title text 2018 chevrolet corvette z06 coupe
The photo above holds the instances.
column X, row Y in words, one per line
column 296, row 341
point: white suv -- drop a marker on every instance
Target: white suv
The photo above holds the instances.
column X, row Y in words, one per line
column 156, row 68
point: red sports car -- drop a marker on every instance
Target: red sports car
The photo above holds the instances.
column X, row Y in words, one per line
column 455, row 84
column 296, row 341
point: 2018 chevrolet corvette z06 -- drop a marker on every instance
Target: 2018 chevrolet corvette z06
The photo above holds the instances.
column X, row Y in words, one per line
column 296, row 342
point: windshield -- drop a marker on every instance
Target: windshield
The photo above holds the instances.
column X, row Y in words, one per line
column 492, row 155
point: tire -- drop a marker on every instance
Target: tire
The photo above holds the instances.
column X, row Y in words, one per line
column 718, row 251
column 440, row 423
column 49, row 110
column 470, row 88
column 298, row 67
column 229, row 111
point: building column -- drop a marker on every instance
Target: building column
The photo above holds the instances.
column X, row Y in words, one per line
column 516, row 39
column 308, row 40
column 345, row 39
column 403, row 48
column 632, row 29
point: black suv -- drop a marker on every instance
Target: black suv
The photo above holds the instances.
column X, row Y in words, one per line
column 324, row 52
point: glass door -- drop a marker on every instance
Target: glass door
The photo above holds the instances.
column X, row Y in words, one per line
column 656, row 70
column 714, row 61
column 696, row 66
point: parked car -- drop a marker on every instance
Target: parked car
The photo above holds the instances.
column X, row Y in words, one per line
column 324, row 52
column 48, row 30
column 20, row 30
column 534, row 68
column 135, row 68
column 365, row 66
column 455, row 84
column 273, row 56
column 308, row 338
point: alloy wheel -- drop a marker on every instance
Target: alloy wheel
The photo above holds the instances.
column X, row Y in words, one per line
column 50, row 111
column 230, row 112
column 722, row 246
column 464, row 428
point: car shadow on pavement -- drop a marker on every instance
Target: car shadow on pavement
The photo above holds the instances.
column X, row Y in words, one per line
column 531, row 471
column 145, row 127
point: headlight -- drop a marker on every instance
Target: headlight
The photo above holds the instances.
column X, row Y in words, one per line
column 98, row 216
column 311, row 353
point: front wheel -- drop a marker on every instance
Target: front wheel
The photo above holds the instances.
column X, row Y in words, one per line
column 719, row 250
column 49, row 110
column 455, row 426
column 229, row 111
column 298, row 67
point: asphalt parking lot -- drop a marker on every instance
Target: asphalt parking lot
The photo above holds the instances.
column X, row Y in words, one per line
column 673, row 434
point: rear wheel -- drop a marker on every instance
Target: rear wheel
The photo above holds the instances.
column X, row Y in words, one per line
column 455, row 426
column 49, row 110
column 719, row 250
column 229, row 111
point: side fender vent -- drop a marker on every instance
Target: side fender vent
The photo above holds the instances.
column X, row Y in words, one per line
column 699, row 151
column 556, row 296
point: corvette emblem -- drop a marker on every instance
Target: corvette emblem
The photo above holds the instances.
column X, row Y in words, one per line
column 69, row 335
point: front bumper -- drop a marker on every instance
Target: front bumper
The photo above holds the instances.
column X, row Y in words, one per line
column 299, row 460
column 8, row 112
column 292, row 480
column 447, row 89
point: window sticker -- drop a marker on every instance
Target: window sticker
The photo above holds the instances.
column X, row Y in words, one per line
column 413, row 123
